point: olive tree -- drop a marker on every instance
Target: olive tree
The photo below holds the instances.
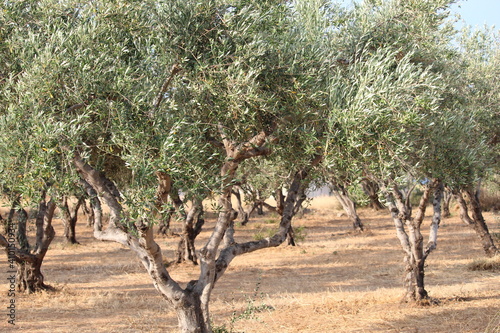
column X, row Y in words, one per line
column 476, row 102
column 132, row 89
column 386, row 119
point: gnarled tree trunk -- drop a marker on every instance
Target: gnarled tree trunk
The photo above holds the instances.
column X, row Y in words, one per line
column 191, row 303
column 412, row 240
column 193, row 223
column 187, row 303
column 69, row 218
column 372, row 189
column 476, row 222
column 447, row 195
column 22, row 238
column 244, row 216
column 340, row 192
column 29, row 277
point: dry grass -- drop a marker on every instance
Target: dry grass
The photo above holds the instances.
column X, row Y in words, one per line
column 485, row 264
column 334, row 281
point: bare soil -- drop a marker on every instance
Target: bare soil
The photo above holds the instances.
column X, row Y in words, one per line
column 333, row 281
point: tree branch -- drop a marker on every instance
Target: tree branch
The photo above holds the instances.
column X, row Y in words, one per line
column 96, row 183
column 13, row 252
column 159, row 98
column 230, row 252
column 436, row 219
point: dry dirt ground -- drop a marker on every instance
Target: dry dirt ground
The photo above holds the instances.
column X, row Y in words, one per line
column 333, row 281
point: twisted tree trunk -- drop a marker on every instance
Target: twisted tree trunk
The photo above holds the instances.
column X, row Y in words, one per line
column 29, row 277
column 372, row 189
column 89, row 212
column 340, row 192
column 69, row 218
column 186, row 251
column 22, row 237
column 412, row 240
column 187, row 303
column 192, row 303
column 476, row 222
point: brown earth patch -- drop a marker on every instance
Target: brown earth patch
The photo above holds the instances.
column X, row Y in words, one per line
column 334, row 281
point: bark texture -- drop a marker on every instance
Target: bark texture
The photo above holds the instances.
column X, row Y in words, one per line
column 244, row 216
column 349, row 206
column 408, row 230
column 447, row 195
column 22, row 238
column 468, row 199
column 29, row 277
column 372, row 189
column 186, row 251
column 192, row 303
column 70, row 218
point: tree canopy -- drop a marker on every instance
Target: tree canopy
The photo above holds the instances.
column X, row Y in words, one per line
column 210, row 92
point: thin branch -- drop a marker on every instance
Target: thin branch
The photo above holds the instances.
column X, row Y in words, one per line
column 76, row 107
column 159, row 98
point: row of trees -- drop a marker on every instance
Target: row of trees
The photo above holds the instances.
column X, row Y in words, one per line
column 133, row 102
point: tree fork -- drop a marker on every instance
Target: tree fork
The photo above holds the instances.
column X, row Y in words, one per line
column 412, row 241
column 70, row 218
column 188, row 303
column 340, row 192
column 29, row 278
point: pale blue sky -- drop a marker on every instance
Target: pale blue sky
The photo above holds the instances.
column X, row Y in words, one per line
column 479, row 12
column 473, row 12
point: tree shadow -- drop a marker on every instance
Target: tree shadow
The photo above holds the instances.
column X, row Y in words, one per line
column 432, row 319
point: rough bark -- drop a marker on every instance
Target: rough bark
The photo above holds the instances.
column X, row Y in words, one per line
column 340, row 192
column 163, row 208
column 469, row 199
column 411, row 239
column 372, row 189
column 95, row 205
column 301, row 197
column 13, row 208
column 186, row 251
column 447, row 195
column 89, row 212
column 187, row 302
column 244, row 216
column 96, row 183
column 29, row 277
column 70, row 218
column 436, row 219
column 280, row 201
column 22, row 237
column 192, row 303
